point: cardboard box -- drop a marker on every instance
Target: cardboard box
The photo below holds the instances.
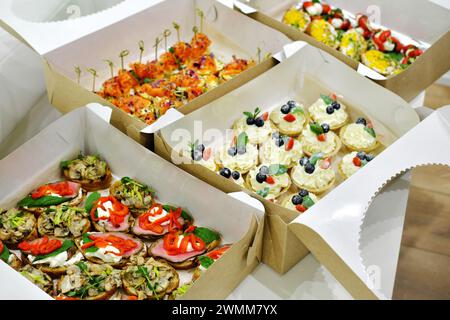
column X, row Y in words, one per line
column 423, row 21
column 315, row 73
column 37, row 162
column 89, row 48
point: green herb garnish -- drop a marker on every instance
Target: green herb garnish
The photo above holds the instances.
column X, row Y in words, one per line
column 263, row 193
column 67, row 244
column 326, row 99
column 87, row 240
column 316, row 128
column 307, row 202
column 277, row 169
column 315, row 158
column 242, row 141
column 206, row 234
column 4, row 255
column 371, row 131
column 91, row 200
column 253, row 115
column 205, row 261
column 44, row 201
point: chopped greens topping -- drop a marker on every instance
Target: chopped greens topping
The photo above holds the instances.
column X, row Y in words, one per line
column 263, row 193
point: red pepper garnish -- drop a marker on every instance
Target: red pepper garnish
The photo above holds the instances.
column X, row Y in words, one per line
column 170, row 243
column 156, row 226
column 300, row 208
column 270, row 180
column 290, row 144
column 290, row 117
column 326, row 8
column 216, row 254
column 67, row 298
column 1, row 247
column 207, row 154
column 41, row 246
column 322, row 137
column 117, row 213
column 61, row 188
column 123, row 245
column 398, row 44
column 326, row 163
column 265, row 116
column 357, row 161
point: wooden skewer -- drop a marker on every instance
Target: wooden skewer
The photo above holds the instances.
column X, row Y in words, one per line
column 195, row 29
column 111, row 66
column 156, row 46
column 166, row 34
column 176, row 26
column 94, row 74
column 201, row 14
column 122, row 55
column 141, row 49
column 259, row 54
column 78, row 72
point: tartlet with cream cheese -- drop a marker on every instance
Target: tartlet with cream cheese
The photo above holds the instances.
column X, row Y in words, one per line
column 201, row 155
column 301, row 201
column 353, row 162
column 256, row 125
column 328, row 110
column 281, row 149
column 320, row 139
column 269, row 181
column 290, row 118
column 359, row 136
column 240, row 155
column 314, row 174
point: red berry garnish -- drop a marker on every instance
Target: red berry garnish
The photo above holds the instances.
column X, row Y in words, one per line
column 322, row 137
column 357, row 161
column 290, row 118
column 270, row 180
column 265, row 116
column 290, row 144
column 207, row 154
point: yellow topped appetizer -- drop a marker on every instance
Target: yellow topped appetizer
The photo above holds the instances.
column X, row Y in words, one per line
column 353, row 44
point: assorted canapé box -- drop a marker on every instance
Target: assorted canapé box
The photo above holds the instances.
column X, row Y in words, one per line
column 387, row 114
column 171, row 55
column 60, row 245
column 402, row 45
